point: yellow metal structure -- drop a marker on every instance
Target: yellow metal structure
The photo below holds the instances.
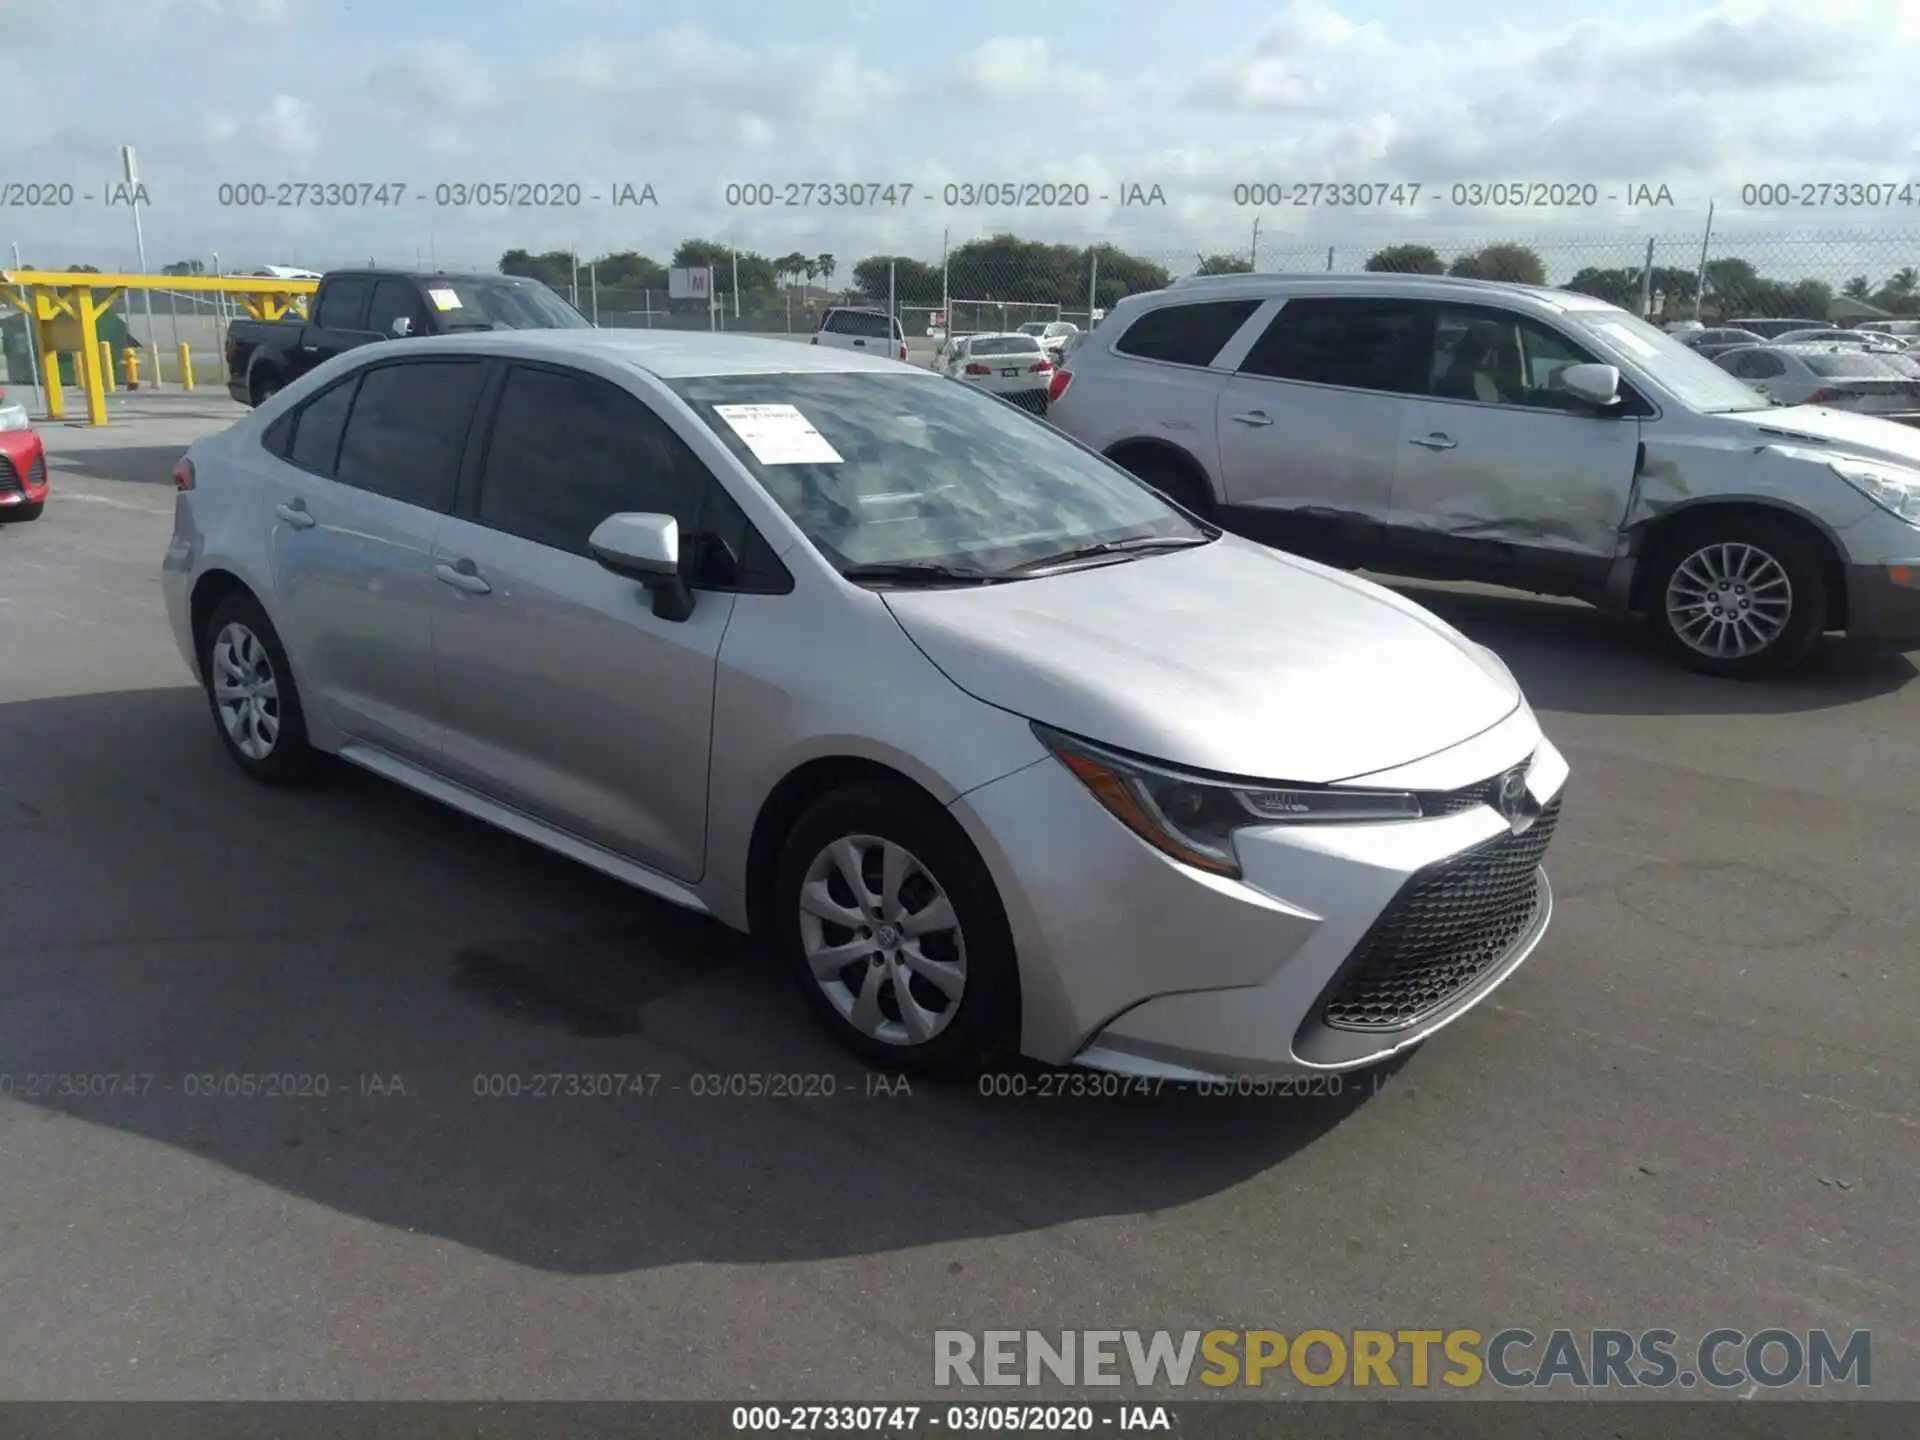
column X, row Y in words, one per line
column 65, row 307
column 106, row 361
column 186, row 366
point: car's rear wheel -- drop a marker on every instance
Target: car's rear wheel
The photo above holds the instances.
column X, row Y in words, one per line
column 1742, row 597
column 250, row 688
column 1171, row 477
column 894, row 930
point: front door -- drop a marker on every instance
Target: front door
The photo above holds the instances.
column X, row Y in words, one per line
column 565, row 696
column 1502, row 474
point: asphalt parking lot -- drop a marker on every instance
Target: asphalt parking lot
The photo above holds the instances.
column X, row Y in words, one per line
column 1694, row 1107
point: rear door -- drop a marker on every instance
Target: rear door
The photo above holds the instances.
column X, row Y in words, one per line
column 1310, row 424
column 366, row 477
column 1502, row 474
column 565, row 696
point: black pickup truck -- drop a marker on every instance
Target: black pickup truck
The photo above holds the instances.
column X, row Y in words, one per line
column 360, row 307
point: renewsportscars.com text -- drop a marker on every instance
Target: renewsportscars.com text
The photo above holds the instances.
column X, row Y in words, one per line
column 1512, row 1358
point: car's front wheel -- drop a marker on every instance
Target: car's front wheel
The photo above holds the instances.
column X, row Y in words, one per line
column 891, row 923
column 1743, row 597
column 251, row 691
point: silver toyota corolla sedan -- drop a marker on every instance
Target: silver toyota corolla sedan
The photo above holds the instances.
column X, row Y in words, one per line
column 989, row 744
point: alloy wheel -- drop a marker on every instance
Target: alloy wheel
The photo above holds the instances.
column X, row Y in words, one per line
column 1729, row 600
column 246, row 691
column 882, row 940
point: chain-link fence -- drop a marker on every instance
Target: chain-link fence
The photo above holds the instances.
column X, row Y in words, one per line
column 1002, row 280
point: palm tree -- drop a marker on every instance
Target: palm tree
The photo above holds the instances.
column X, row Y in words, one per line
column 812, row 267
column 826, row 264
column 1857, row 288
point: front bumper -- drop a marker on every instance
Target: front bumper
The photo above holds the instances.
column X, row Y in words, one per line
column 1883, row 577
column 1135, row 963
column 23, row 469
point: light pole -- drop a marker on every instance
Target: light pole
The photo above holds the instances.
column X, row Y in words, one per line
column 33, row 344
column 127, row 164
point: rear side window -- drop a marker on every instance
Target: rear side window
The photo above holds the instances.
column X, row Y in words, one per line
column 1186, row 334
column 407, row 429
column 1359, row 344
column 314, row 442
column 343, row 303
column 864, row 324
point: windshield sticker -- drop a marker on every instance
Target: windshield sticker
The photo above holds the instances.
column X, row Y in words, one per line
column 1622, row 335
column 779, row 435
column 444, row 299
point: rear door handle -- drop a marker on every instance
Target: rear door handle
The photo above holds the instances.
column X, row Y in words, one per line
column 297, row 515
column 464, row 575
column 1254, row 417
column 1436, row 441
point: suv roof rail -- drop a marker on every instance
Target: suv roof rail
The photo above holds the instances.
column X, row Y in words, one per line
column 1347, row 277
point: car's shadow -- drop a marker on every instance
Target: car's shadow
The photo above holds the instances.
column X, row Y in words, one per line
column 171, row 927
column 135, row 464
column 1574, row 659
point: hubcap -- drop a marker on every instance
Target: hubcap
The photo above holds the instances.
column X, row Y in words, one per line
column 882, row 940
column 1729, row 601
column 245, row 691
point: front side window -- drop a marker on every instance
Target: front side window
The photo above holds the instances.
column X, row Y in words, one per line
column 1496, row 357
column 1355, row 343
column 396, row 300
column 923, row 472
column 1186, row 334
column 407, row 429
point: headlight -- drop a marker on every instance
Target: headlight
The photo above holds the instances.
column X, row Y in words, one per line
column 1193, row 818
column 1891, row 487
column 14, row 417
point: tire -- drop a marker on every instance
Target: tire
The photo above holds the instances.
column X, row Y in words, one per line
column 1172, row 479
column 1771, row 560
column 875, row 820
column 21, row 514
column 267, row 738
column 263, row 387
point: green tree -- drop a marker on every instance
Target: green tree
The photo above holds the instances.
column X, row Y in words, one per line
column 1733, row 286
column 754, row 270
column 1901, row 293
column 629, row 270
column 790, row 267
column 1408, row 260
column 184, row 267
column 1857, row 288
column 914, row 281
column 1507, row 261
column 1224, row 265
column 83, row 270
column 827, row 266
column 553, row 269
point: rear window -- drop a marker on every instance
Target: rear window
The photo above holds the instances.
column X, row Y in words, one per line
column 1860, row 366
column 864, row 323
column 1006, row 345
column 1186, row 334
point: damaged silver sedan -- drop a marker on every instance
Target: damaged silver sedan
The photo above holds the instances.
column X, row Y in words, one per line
column 1515, row 435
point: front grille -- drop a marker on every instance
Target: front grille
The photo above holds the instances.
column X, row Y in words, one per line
column 37, row 472
column 1452, row 802
column 1444, row 931
column 10, row 478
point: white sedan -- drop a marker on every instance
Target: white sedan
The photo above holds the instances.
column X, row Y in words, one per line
column 1014, row 367
column 1841, row 377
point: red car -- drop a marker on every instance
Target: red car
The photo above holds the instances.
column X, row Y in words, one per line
column 23, row 465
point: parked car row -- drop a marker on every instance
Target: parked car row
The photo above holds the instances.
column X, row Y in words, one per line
column 1536, row 438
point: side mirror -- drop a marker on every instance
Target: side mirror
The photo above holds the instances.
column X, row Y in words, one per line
column 645, row 548
column 1598, row 385
column 401, row 327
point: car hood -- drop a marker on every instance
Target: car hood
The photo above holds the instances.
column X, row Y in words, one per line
column 1228, row 657
column 1843, row 432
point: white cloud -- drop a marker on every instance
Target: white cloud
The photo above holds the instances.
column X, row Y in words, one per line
column 442, row 78
column 1023, row 67
column 287, row 127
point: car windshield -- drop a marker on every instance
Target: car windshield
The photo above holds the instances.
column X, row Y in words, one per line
column 1684, row 373
column 1005, row 345
column 1038, row 327
column 914, row 470
column 1861, row 365
column 482, row 305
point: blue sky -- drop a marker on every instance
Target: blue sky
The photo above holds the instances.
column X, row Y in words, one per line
column 1702, row 99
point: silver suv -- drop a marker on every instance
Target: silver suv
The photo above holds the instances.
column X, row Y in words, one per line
column 1511, row 434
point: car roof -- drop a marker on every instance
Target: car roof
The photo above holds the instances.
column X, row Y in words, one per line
column 458, row 277
column 1271, row 284
column 666, row 354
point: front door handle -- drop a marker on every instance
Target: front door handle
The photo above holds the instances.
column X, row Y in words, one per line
column 464, row 575
column 1254, row 417
column 1436, row 441
column 296, row 514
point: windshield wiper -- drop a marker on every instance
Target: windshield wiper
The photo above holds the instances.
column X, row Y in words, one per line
column 920, row 572
column 1099, row 548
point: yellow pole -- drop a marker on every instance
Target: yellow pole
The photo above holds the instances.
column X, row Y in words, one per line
column 106, row 362
column 56, row 396
column 186, row 366
column 91, row 380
